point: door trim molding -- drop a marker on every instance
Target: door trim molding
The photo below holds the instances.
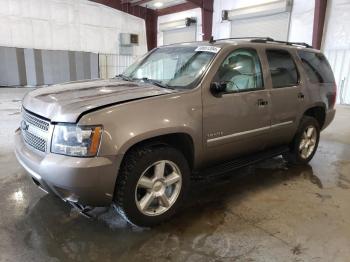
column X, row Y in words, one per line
column 282, row 124
column 249, row 131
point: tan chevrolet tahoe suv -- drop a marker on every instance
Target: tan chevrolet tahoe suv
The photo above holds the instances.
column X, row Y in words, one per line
column 183, row 110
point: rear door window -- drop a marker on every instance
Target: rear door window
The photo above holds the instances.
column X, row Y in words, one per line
column 316, row 67
column 282, row 68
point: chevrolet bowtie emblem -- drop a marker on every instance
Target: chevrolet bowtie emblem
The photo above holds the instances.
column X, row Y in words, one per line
column 24, row 125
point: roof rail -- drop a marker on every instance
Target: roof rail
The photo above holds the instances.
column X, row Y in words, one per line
column 269, row 39
column 212, row 40
column 257, row 39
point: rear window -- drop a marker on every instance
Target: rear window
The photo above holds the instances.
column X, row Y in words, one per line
column 316, row 67
column 282, row 68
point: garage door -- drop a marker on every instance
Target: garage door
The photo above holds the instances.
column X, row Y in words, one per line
column 275, row 26
column 186, row 34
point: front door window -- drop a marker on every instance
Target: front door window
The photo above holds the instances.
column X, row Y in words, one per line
column 241, row 71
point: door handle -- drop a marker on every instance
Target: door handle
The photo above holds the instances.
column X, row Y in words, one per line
column 262, row 102
column 301, row 96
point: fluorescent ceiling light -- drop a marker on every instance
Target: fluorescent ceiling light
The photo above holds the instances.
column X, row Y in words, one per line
column 158, row 4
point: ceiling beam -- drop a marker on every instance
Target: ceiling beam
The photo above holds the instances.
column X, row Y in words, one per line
column 141, row 2
column 204, row 4
column 198, row 3
column 176, row 8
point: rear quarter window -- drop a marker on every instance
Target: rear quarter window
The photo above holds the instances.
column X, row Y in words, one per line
column 316, row 67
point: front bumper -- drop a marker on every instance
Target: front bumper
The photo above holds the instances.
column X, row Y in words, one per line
column 87, row 181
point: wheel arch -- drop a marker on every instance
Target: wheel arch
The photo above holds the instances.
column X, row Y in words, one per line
column 180, row 140
column 317, row 111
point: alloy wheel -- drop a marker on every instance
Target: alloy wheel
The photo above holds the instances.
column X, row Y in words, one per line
column 158, row 188
column 308, row 142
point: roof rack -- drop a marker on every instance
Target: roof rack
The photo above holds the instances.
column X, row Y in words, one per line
column 212, row 40
column 269, row 39
column 255, row 39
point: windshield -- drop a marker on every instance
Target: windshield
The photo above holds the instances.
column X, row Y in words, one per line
column 172, row 67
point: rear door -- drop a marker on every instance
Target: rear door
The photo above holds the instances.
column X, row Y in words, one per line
column 286, row 96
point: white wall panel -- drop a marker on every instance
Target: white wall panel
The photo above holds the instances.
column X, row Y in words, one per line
column 41, row 34
column 74, row 37
column 20, row 29
column 39, row 9
column 336, row 45
column 302, row 21
column 90, row 14
column 76, row 25
column 60, row 12
column 60, row 37
column 4, row 7
column 5, row 31
column 337, row 29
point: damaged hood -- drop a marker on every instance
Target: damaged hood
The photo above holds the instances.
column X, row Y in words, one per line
column 66, row 102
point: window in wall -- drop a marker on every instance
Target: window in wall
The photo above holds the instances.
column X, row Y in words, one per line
column 316, row 67
column 282, row 68
column 241, row 71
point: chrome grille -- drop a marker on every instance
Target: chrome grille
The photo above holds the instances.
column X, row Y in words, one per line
column 34, row 141
column 35, row 121
column 35, row 131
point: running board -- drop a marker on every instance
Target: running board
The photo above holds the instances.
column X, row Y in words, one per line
column 239, row 163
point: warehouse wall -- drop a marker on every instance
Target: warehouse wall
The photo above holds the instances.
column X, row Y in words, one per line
column 300, row 26
column 336, row 45
column 68, row 25
column 302, row 21
column 75, row 25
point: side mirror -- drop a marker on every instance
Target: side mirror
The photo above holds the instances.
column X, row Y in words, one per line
column 217, row 88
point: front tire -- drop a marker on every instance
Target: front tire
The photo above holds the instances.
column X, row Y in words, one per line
column 151, row 185
column 305, row 142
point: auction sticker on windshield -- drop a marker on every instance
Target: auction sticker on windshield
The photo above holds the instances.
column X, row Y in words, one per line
column 211, row 49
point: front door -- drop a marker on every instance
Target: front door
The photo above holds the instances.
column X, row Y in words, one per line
column 236, row 121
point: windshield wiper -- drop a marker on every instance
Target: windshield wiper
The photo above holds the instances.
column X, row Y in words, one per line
column 155, row 82
column 124, row 77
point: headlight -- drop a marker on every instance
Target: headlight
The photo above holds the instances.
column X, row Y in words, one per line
column 73, row 140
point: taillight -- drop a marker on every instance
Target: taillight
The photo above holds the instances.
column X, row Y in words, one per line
column 333, row 99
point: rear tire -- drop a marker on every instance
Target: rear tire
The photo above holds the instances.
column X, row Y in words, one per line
column 305, row 142
column 151, row 185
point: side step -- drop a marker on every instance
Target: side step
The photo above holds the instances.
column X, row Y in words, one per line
column 239, row 163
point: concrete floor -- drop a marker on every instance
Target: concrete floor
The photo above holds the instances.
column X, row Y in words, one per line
column 267, row 212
